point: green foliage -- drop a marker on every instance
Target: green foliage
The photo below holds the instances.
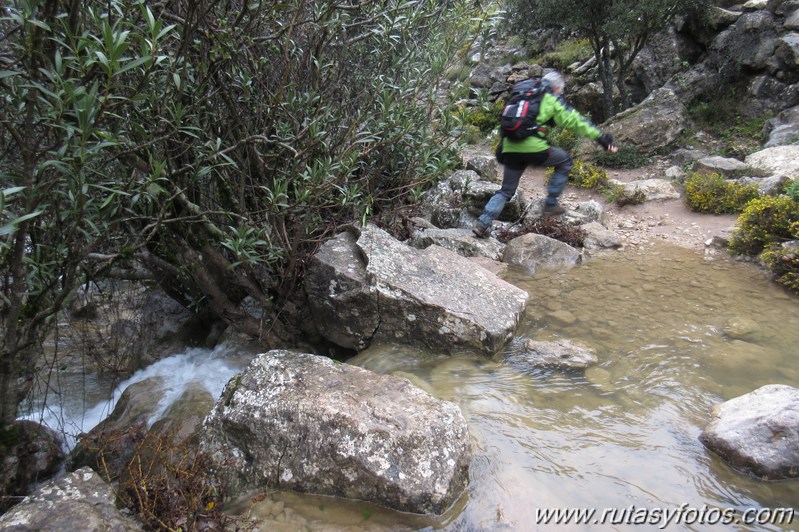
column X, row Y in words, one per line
column 792, row 189
column 587, row 175
column 784, row 263
column 563, row 138
column 217, row 143
column 566, row 52
column 627, row 157
column 485, row 117
column 765, row 221
column 66, row 113
column 624, row 25
column 721, row 117
column 714, row 194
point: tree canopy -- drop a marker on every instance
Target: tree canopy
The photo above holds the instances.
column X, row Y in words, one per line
column 616, row 29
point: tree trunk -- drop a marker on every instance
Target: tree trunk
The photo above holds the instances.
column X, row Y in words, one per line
column 605, row 68
column 9, row 379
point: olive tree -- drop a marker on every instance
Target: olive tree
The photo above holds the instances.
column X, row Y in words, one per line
column 216, row 144
column 616, row 29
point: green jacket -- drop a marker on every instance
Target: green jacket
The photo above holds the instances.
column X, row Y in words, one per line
column 553, row 108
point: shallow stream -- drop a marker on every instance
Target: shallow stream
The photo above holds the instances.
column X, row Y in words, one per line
column 676, row 331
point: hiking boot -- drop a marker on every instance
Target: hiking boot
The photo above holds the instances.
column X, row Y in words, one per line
column 553, row 210
column 480, row 231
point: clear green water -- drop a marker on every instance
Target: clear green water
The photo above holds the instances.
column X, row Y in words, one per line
column 676, row 331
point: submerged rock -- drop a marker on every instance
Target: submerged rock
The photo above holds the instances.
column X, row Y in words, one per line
column 302, row 422
column 559, row 353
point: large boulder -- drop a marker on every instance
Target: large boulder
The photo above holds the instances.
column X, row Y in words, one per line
column 758, row 433
column 749, row 43
column 654, row 123
column 783, row 160
column 788, row 50
column 111, row 444
column 78, row 501
column 303, row 422
column 658, row 61
column 783, row 129
column 365, row 286
column 32, row 453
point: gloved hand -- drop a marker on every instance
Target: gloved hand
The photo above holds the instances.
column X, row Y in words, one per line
column 605, row 140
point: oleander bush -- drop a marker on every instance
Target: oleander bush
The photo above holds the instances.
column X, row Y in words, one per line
column 213, row 144
column 714, row 194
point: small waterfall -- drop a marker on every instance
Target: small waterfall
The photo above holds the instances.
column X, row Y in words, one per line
column 70, row 415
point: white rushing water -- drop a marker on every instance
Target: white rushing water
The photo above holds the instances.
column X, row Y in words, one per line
column 72, row 415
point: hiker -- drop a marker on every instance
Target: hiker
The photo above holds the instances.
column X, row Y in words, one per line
column 517, row 155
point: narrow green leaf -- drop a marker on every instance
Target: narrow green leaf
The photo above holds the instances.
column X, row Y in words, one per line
column 164, row 31
column 133, row 64
column 39, row 24
column 8, row 192
column 101, row 57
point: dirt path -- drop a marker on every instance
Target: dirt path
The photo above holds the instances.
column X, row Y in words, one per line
column 638, row 225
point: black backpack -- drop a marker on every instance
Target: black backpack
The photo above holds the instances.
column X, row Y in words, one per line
column 517, row 121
